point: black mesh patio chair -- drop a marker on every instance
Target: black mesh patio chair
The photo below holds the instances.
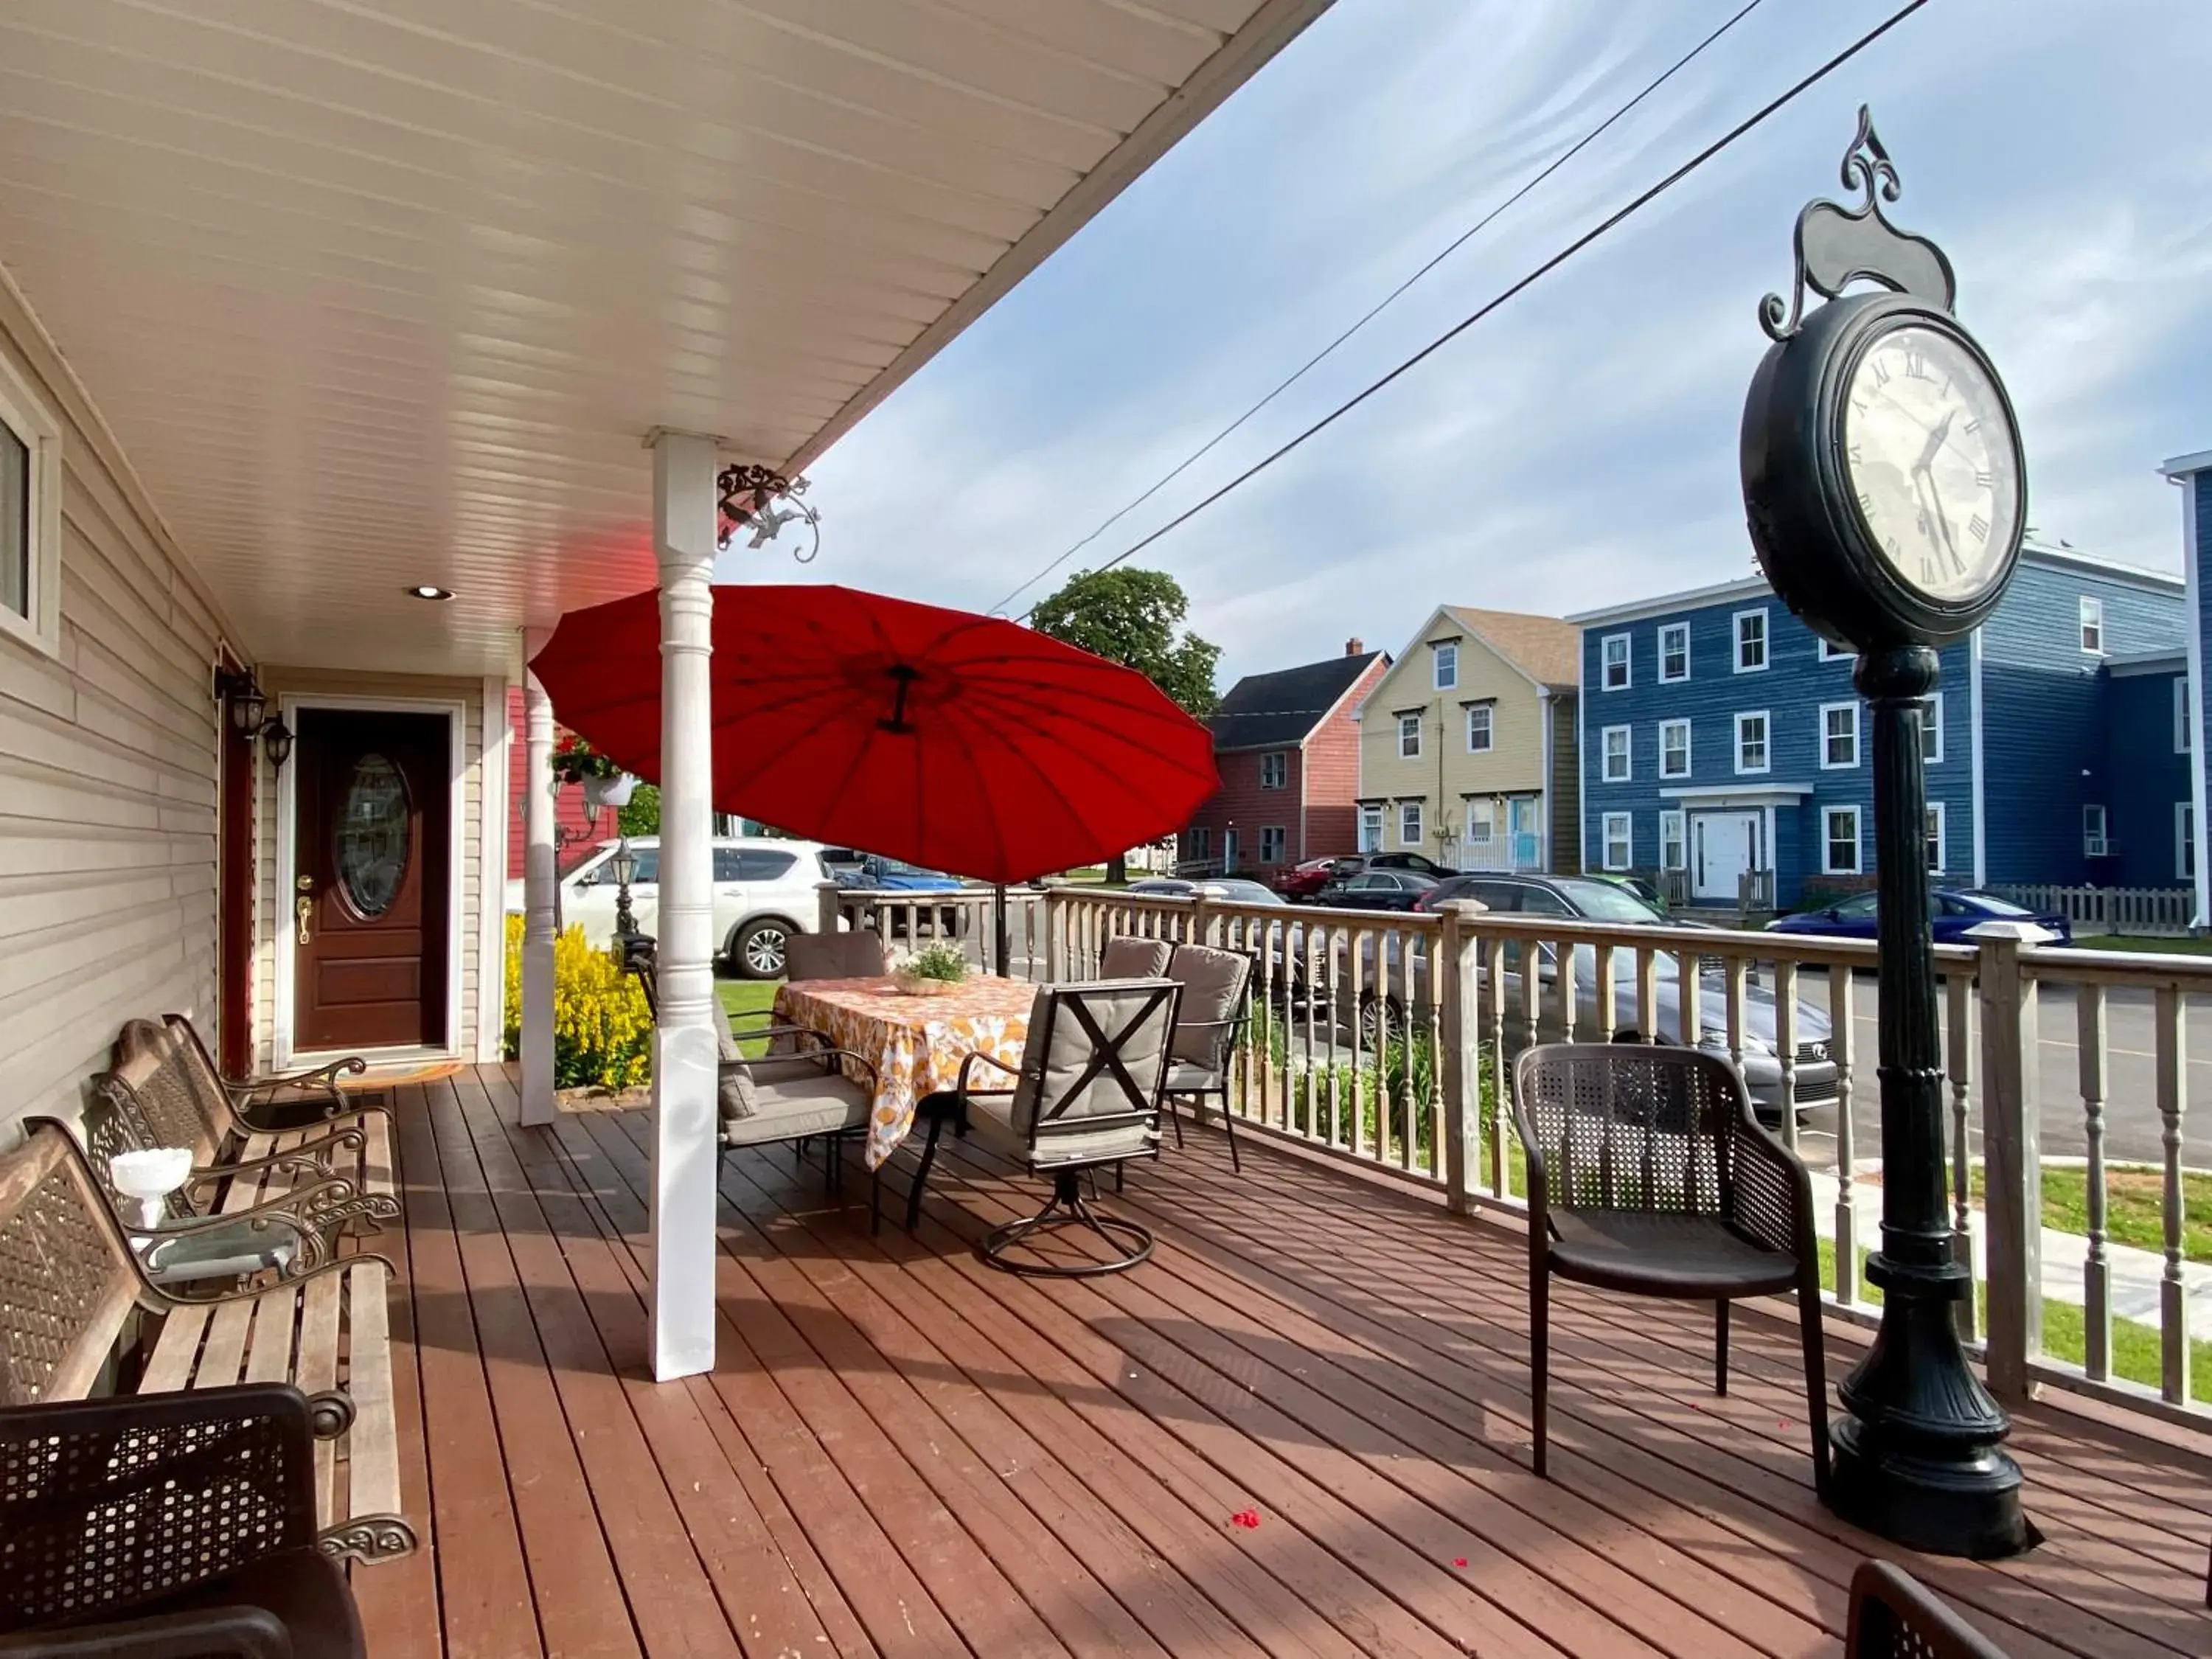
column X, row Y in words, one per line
column 1650, row 1174
column 1208, row 1030
column 168, row 1526
column 1085, row 1095
column 1894, row 1616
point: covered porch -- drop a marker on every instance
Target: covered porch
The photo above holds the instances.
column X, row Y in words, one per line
column 1303, row 1430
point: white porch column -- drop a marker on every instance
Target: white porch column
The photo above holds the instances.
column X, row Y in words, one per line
column 686, row 1155
column 538, row 873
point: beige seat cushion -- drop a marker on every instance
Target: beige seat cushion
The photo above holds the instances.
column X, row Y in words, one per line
column 734, row 1094
column 990, row 1121
column 833, row 956
column 805, row 1102
column 1185, row 1078
column 1134, row 959
column 1059, row 1051
column 1212, row 988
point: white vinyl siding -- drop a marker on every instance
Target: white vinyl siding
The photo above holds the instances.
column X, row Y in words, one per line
column 1753, row 750
column 1839, row 840
column 1614, row 747
column 1673, row 653
column 1673, row 749
column 1620, row 848
column 1839, row 735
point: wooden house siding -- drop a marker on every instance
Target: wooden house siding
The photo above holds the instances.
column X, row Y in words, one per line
column 109, row 771
column 1565, row 787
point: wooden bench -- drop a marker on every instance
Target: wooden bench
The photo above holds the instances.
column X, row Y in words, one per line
column 70, row 1285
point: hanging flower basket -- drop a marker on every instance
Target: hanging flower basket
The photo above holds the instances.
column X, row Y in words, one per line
column 575, row 761
column 613, row 789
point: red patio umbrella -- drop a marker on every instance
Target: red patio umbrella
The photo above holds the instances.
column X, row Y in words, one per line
column 951, row 740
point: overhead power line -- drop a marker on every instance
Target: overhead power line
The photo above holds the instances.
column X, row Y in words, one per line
column 1391, row 298
column 1600, row 228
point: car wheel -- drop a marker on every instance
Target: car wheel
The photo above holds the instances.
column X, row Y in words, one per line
column 761, row 948
column 1380, row 1019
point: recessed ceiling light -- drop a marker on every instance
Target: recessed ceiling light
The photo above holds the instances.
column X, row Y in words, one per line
column 425, row 591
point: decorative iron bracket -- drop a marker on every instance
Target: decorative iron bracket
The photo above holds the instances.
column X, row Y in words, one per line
column 1836, row 246
column 749, row 492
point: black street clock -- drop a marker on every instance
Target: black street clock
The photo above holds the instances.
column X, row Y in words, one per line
column 1885, row 493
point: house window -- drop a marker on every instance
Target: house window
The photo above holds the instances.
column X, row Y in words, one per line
column 1271, row 844
column 1935, row 832
column 2096, row 842
column 1409, row 824
column 1673, row 842
column 2184, row 728
column 1931, row 729
column 1445, row 658
column 1371, row 829
column 1616, row 662
column 30, row 515
column 1830, row 652
column 1674, row 651
column 2185, row 841
column 1409, row 736
column 1481, row 825
column 1275, row 768
column 1750, row 641
column 1201, row 841
column 1839, row 735
column 1673, row 749
column 1618, row 852
column 1616, row 754
column 1751, row 742
column 1481, row 718
column 1840, row 840
column 2092, row 626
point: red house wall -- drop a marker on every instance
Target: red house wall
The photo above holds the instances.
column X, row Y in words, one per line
column 577, row 838
column 1241, row 801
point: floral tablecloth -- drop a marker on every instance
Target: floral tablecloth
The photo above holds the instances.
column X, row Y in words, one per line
column 917, row 1043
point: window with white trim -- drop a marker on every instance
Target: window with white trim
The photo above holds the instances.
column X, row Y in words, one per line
column 1275, row 769
column 1613, row 649
column 1673, row 841
column 1444, row 657
column 1935, row 838
column 1750, row 641
column 1931, row 730
column 2184, row 729
column 1409, row 736
column 1371, row 829
column 2092, row 626
column 1751, row 746
column 1202, row 841
column 2185, row 841
column 1409, row 824
column 1673, row 653
column 1481, row 724
column 1614, row 741
column 1839, row 840
column 1271, row 844
column 1839, row 735
column 1620, row 848
column 1830, row 652
column 30, row 515
column 1481, row 825
column 2096, row 832
column 1673, row 749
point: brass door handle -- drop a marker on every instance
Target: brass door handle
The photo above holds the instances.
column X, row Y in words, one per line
column 303, row 908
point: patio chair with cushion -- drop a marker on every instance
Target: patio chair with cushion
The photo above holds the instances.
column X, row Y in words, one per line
column 168, row 1525
column 1894, row 1616
column 1648, row 1173
column 777, row 1097
column 1127, row 956
column 833, row 955
column 1209, row 1024
column 1086, row 1094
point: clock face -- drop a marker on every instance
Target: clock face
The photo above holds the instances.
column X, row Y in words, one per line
column 1929, row 454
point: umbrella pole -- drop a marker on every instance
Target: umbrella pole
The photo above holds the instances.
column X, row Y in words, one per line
column 1004, row 940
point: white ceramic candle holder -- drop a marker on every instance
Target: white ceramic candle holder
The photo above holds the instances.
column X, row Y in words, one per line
column 149, row 1177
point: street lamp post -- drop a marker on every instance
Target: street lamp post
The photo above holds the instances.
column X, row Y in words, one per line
column 624, row 866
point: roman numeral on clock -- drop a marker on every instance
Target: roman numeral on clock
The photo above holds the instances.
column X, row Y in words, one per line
column 1985, row 479
column 1915, row 366
column 1979, row 528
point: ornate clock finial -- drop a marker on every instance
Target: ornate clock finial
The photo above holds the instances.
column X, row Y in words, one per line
column 1836, row 246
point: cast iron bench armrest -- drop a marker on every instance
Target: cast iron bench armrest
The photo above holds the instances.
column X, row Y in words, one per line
column 310, row 1157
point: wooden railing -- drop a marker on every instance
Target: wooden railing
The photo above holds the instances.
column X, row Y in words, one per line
column 1376, row 1038
column 2151, row 910
column 967, row 915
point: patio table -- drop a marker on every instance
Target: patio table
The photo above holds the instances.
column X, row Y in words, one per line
column 916, row 1042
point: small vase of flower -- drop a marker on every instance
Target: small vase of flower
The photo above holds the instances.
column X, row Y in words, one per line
column 935, row 970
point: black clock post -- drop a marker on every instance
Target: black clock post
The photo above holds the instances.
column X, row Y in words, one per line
column 1884, row 491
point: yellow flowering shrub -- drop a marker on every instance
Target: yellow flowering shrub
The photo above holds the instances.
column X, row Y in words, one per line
column 602, row 1029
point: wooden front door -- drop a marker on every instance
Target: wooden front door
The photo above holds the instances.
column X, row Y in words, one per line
column 369, row 908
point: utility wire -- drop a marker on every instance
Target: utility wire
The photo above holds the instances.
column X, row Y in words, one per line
column 1389, row 298
column 1544, row 270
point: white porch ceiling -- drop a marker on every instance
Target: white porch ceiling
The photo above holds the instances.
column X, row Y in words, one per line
column 390, row 292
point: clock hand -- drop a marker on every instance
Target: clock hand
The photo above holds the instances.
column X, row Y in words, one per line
column 1935, row 438
column 1942, row 523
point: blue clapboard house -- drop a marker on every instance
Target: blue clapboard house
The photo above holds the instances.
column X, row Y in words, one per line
column 1721, row 739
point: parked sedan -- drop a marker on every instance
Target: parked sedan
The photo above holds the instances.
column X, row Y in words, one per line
column 1225, row 889
column 1377, row 890
column 1304, row 881
column 1956, row 911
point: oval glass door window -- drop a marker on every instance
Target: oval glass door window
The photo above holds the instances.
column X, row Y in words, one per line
column 373, row 837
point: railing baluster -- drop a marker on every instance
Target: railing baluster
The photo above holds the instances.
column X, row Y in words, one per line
column 1431, row 947
column 1493, row 946
column 1350, row 1000
column 1842, row 997
column 1647, row 993
column 1739, row 974
column 1961, row 1064
column 1309, row 1083
column 1785, row 1044
column 1607, row 995
column 2090, row 1041
column 2173, row 1045
column 1408, row 1002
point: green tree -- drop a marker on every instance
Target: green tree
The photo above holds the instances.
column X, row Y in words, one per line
column 1134, row 618
column 642, row 816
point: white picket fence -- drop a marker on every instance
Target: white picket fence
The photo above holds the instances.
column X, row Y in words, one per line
column 2111, row 910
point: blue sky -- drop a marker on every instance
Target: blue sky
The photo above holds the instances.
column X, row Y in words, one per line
column 1578, row 447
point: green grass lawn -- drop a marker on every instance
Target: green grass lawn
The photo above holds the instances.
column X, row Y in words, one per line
column 2159, row 945
column 2134, row 1207
column 748, row 996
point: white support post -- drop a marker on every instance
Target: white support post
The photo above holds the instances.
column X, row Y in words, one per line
column 538, row 882
column 684, row 1053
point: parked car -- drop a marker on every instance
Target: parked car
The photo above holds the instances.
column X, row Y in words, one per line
column 1228, row 889
column 1306, row 880
column 764, row 892
column 1587, row 896
column 1377, row 890
column 1955, row 911
column 874, row 873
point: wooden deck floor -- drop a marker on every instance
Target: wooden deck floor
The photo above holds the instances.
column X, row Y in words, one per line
column 903, row 1453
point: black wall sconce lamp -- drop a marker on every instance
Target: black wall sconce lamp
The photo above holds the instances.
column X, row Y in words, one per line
column 276, row 743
